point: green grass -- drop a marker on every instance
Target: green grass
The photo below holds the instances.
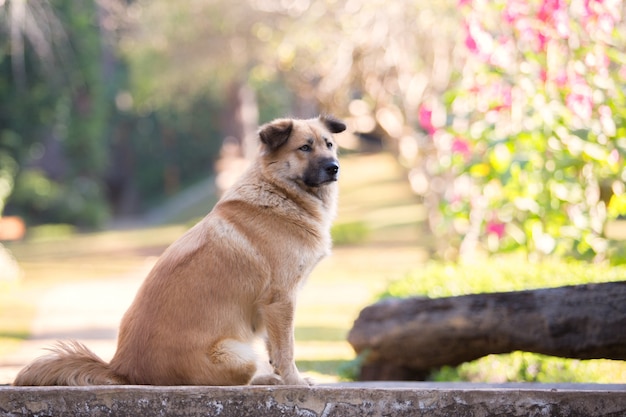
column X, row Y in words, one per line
column 59, row 255
column 498, row 274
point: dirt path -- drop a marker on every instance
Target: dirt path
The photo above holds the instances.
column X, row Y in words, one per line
column 88, row 311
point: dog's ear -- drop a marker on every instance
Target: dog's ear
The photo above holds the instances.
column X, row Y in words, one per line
column 333, row 124
column 276, row 133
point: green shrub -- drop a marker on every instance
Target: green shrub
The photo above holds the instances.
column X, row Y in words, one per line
column 533, row 367
column 349, row 370
column 41, row 200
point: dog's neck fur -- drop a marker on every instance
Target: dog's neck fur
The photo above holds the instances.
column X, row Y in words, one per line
column 318, row 202
column 311, row 213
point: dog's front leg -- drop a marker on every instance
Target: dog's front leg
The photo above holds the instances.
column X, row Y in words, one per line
column 278, row 318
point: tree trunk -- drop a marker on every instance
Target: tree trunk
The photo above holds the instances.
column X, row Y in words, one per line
column 240, row 122
column 405, row 338
column 240, row 118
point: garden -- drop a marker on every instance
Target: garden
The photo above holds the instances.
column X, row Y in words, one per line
column 485, row 154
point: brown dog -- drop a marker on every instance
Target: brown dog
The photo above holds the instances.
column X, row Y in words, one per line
column 231, row 278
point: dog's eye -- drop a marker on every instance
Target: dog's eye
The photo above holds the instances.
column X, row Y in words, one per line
column 305, row 148
column 329, row 145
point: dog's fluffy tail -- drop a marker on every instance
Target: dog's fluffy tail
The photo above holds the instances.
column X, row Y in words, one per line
column 69, row 363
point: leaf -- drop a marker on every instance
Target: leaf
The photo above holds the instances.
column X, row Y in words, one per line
column 480, row 170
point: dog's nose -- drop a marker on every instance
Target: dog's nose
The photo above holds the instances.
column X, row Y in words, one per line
column 332, row 168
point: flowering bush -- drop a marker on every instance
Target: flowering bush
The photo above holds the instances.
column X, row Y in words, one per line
column 534, row 134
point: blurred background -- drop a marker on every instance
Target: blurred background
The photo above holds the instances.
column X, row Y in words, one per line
column 482, row 133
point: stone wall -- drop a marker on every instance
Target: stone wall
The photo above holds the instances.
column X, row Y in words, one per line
column 323, row 401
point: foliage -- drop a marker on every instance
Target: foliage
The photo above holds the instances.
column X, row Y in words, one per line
column 74, row 146
column 165, row 149
column 78, row 200
column 349, row 370
column 530, row 145
column 51, row 92
column 532, row 367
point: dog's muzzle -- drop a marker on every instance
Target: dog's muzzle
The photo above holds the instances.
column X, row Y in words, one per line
column 325, row 171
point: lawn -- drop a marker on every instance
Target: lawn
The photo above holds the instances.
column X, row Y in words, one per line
column 57, row 255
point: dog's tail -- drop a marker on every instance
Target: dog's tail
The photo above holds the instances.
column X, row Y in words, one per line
column 69, row 363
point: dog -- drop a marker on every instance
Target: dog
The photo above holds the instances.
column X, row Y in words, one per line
column 228, row 280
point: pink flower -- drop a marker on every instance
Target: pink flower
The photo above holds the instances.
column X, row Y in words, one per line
column 560, row 19
column 580, row 105
column 614, row 157
column 606, row 23
column 561, row 79
column 580, row 100
column 605, row 111
column 594, row 8
column 504, row 94
column 542, row 40
column 478, row 41
column 504, row 50
column 515, row 10
column 554, row 15
column 552, row 10
column 495, row 227
column 461, row 146
column 425, row 118
column 470, row 43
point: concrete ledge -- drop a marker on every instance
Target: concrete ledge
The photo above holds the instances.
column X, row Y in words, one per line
column 369, row 399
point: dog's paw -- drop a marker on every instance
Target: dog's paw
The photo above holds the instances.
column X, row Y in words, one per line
column 267, row 379
column 299, row 380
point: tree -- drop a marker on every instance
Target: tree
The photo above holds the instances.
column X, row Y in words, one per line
column 52, row 111
column 388, row 57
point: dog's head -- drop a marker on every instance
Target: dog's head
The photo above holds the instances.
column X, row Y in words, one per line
column 303, row 151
